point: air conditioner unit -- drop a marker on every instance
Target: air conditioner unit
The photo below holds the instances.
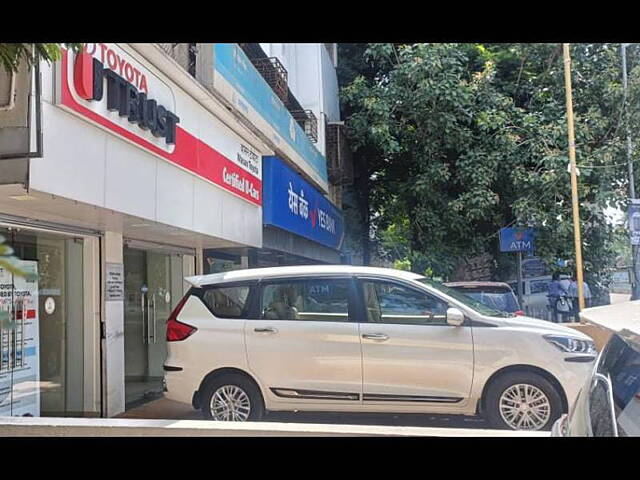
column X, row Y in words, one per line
column 15, row 117
column 308, row 122
column 7, row 90
column 339, row 165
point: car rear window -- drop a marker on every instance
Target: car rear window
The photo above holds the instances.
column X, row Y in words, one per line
column 227, row 302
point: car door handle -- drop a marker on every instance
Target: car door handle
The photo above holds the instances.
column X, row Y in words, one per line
column 265, row 330
column 375, row 336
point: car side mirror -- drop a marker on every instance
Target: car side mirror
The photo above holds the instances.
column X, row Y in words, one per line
column 455, row 317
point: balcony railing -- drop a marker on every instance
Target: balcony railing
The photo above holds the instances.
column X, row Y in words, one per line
column 275, row 75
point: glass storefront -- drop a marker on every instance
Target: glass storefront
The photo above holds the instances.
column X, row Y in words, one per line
column 153, row 283
column 216, row 261
column 42, row 330
column 220, row 260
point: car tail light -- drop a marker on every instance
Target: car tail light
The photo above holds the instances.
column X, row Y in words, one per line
column 519, row 312
column 177, row 331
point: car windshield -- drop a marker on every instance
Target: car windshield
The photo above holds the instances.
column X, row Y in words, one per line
column 466, row 300
column 499, row 300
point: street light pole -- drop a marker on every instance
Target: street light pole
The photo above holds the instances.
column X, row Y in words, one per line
column 632, row 190
column 574, row 178
column 635, row 294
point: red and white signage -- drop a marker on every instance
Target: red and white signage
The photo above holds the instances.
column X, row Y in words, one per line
column 107, row 86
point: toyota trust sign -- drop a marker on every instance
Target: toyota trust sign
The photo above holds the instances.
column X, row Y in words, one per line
column 126, row 92
column 124, row 95
column 294, row 205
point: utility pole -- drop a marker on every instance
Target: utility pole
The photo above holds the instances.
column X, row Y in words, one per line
column 574, row 178
column 635, row 294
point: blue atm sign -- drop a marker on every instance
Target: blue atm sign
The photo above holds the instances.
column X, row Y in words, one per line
column 517, row 239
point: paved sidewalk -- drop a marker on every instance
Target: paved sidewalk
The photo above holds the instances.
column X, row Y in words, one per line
column 126, row 427
column 163, row 409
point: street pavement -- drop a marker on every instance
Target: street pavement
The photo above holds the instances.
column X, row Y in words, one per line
column 168, row 410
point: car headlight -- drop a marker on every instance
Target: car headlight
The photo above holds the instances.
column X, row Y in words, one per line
column 571, row 345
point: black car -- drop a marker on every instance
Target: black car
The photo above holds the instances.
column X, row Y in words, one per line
column 609, row 403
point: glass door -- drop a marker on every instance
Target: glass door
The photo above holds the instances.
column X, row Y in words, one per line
column 135, row 333
column 158, row 311
column 42, row 326
column 151, row 292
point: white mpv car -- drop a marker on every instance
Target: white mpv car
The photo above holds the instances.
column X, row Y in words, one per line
column 361, row 339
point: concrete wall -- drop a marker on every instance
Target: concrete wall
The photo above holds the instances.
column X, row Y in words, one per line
column 312, row 79
column 284, row 241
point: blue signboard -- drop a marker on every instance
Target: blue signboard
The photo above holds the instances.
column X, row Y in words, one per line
column 294, row 205
column 517, row 239
column 232, row 63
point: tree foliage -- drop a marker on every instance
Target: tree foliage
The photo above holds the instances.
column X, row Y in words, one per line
column 463, row 139
column 13, row 54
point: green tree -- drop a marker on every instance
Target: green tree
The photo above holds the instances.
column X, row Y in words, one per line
column 463, row 139
column 13, row 54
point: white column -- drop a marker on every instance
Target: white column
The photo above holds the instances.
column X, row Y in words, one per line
column 92, row 316
column 188, row 269
column 113, row 346
column 199, row 261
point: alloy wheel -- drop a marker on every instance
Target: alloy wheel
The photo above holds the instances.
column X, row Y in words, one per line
column 525, row 407
column 230, row 403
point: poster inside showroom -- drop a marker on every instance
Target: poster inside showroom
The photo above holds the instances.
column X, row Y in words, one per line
column 19, row 342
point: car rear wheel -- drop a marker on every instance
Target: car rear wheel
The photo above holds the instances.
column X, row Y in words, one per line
column 522, row 401
column 231, row 398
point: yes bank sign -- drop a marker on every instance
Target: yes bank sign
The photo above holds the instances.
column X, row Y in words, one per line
column 517, row 239
column 292, row 204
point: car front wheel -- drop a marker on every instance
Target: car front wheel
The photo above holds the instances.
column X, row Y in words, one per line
column 522, row 401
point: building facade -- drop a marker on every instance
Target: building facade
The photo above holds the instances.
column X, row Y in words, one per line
column 289, row 92
column 125, row 168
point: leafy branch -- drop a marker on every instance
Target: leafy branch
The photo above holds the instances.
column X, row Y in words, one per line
column 13, row 54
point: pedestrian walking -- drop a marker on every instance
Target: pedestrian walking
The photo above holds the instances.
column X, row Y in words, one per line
column 557, row 295
column 572, row 292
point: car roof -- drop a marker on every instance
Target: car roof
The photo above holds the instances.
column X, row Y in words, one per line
column 477, row 284
column 300, row 270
